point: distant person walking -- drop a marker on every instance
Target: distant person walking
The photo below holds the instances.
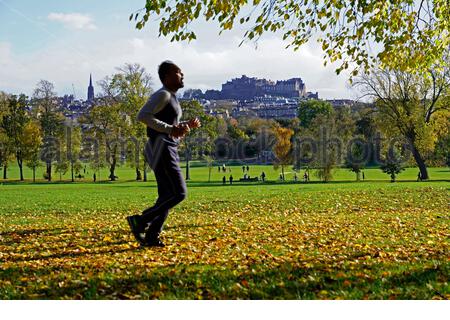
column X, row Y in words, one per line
column 162, row 114
column 231, row 179
column 224, row 180
column 263, row 176
column 95, row 177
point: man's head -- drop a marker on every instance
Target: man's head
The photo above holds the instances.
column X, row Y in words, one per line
column 170, row 75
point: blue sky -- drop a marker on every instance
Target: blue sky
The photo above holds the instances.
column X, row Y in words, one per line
column 64, row 41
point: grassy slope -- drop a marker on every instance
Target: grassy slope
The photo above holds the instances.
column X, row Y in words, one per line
column 372, row 239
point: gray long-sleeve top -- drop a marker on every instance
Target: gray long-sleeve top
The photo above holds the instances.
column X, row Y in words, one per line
column 155, row 104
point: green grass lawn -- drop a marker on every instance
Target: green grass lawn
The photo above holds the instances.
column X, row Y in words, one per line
column 365, row 240
column 201, row 174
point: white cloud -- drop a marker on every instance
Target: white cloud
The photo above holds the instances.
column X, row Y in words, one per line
column 206, row 63
column 73, row 20
column 137, row 43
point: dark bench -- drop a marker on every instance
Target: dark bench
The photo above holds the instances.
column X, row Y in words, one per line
column 248, row 179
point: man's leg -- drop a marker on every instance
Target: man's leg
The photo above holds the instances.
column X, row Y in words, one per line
column 153, row 153
column 170, row 177
column 165, row 193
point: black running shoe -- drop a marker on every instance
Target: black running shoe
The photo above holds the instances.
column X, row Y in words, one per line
column 136, row 227
column 155, row 242
column 152, row 240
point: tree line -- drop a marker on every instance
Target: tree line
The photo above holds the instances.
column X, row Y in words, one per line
column 409, row 115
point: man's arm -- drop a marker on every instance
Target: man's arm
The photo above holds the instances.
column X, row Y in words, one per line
column 154, row 105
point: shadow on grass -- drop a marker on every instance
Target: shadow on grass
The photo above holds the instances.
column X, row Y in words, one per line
column 203, row 184
column 199, row 281
column 34, row 231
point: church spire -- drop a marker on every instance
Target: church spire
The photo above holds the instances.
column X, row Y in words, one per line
column 90, row 95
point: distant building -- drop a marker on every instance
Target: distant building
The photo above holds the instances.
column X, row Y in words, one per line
column 311, row 95
column 336, row 103
column 212, row 95
column 90, row 94
column 246, row 88
column 286, row 88
column 287, row 111
column 190, row 94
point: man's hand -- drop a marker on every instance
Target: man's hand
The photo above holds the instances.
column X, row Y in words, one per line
column 180, row 130
column 194, row 123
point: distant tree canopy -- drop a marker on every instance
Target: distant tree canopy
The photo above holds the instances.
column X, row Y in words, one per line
column 408, row 34
column 310, row 109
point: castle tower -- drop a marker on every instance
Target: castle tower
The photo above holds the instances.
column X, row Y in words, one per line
column 90, row 95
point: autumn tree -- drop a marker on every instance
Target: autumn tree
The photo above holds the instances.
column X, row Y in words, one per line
column 282, row 148
column 4, row 141
column 46, row 111
column 13, row 124
column 105, row 123
column 411, row 105
column 112, row 120
column 199, row 141
column 130, row 88
column 367, row 129
column 393, row 164
column 32, row 140
column 324, row 142
column 357, row 156
column 310, row 109
column 260, row 134
column 61, row 167
column 408, row 34
column 93, row 150
column 73, row 148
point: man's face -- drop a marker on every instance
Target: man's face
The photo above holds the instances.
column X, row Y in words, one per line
column 175, row 78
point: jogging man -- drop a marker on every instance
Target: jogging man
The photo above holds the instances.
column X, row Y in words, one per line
column 162, row 114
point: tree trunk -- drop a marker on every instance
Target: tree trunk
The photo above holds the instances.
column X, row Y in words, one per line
column 282, row 172
column 112, row 176
column 34, row 174
column 112, row 168
column 145, row 172
column 138, row 175
column 71, row 169
column 358, row 176
column 5, row 169
column 420, row 162
column 411, row 136
column 209, row 174
column 188, row 177
column 49, row 171
column 20, row 164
